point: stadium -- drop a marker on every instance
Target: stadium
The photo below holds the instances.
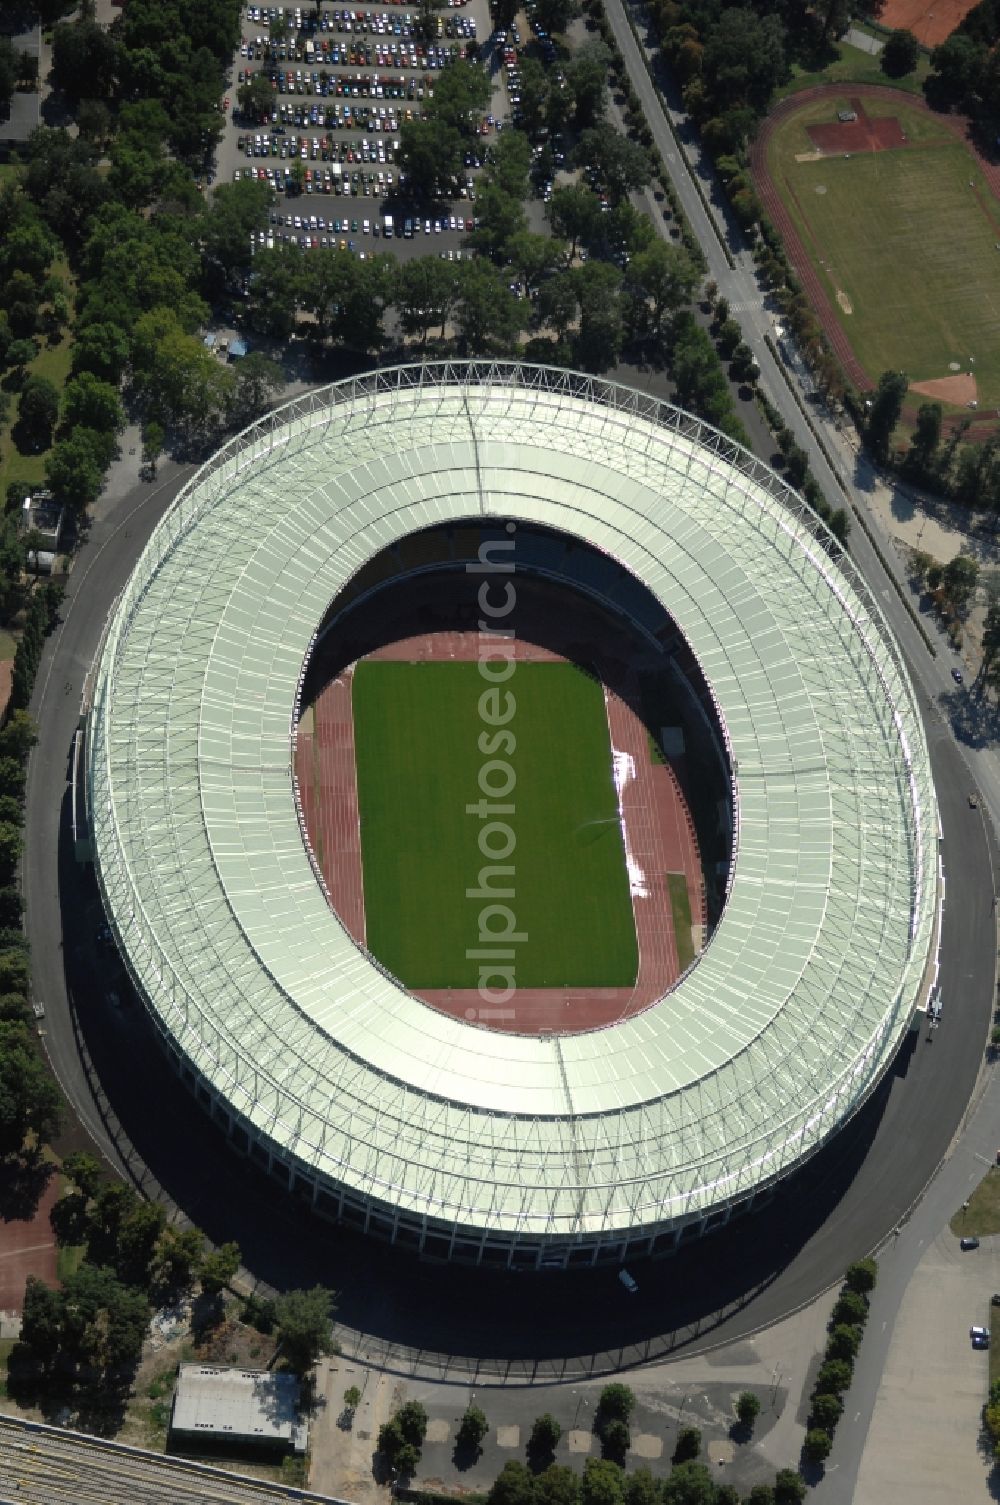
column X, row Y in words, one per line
column 815, row 886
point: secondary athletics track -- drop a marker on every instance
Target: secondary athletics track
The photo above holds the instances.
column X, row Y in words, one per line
column 658, row 830
column 864, row 140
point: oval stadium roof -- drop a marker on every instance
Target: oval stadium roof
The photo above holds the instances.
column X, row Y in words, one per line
column 809, row 981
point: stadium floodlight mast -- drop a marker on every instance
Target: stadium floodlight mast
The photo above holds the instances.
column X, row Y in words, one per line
column 382, row 1112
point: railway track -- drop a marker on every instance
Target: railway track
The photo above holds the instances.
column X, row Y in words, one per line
column 42, row 1465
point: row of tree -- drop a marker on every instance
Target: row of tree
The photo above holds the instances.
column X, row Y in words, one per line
column 847, row 1325
column 91, row 1331
column 542, row 1481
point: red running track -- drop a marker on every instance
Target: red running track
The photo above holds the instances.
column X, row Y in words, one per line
column 657, row 825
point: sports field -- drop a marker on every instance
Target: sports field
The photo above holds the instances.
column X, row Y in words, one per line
column 903, row 240
column 417, row 729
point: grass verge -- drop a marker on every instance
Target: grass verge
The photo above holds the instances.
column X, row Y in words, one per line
column 982, row 1214
column 680, row 908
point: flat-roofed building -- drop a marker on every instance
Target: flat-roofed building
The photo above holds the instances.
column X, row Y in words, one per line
column 245, row 1407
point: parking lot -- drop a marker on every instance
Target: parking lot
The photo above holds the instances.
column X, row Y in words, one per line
column 342, row 88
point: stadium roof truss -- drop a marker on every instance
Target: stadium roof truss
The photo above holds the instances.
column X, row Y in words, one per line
column 811, row 976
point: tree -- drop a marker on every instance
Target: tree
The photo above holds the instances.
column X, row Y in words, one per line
column 176, row 1261
column 41, row 1319
column 861, row 1276
column 19, row 353
column 688, row 1444
column 601, row 333
column 900, row 54
column 957, row 70
column 304, row 1326
column 218, row 1268
column 558, row 1485
column 744, row 58
column 426, row 294
column 37, row 414
column 352, row 1397
column 958, row 582
column 665, row 277
column 834, row 1377
column 747, row 1408
column 500, row 218
column 789, row 1487
column 514, row 1485
column 83, row 1171
column 74, row 470
column 844, row 1342
column 554, row 16
column 641, row 1488
column 616, row 1439
column 93, row 404
column 689, row 1483
column 574, row 213
column 927, row 434
column 411, row 1418
column 509, row 163
column 851, row 1306
column 430, row 154
column 8, row 71
column 472, row 1428
column 883, row 415
column 256, row 97
column 621, row 164
column 153, row 440
column 616, row 1402
column 83, row 60
column 102, row 349
column 238, row 211
column 761, row 1494
column 29, row 1100
column 825, row 1411
column 461, row 97
column 544, row 1438
column 487, row 314
column 817, row 1445
column 257, row 380
column 603, row 1482
column 587, row 76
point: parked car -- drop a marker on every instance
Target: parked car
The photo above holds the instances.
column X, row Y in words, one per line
column 629, row 1282
column 980, row 1337
column 969, row 1243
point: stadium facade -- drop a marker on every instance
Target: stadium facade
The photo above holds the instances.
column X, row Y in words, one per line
column 384, row 1113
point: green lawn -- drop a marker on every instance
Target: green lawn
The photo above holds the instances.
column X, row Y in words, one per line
column 52, row 361
column 680, row 906
column 982, row 1216
column 417, row 730
column 907, row 239
column 849, row 65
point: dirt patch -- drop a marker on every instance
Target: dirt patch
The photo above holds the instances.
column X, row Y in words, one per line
column 863, row 134
column 931, row 21
column 957, row 389
column 845, row 302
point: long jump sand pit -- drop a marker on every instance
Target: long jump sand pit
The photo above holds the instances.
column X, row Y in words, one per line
column 956, row 389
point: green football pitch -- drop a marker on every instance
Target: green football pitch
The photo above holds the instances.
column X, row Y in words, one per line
column 904, row 239
column 417, row 729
